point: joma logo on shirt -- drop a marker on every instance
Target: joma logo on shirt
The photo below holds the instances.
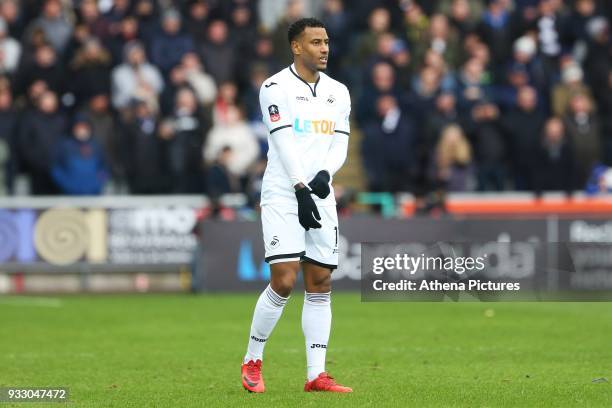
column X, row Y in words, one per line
column 326, row 127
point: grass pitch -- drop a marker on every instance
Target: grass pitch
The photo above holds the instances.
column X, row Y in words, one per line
column 185, row 351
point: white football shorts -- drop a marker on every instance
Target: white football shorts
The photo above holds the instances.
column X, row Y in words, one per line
column 286, row 240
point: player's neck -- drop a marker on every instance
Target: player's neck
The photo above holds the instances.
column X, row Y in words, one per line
column 305, row 73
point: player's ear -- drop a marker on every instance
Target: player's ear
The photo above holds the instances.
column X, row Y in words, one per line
column 296, row 47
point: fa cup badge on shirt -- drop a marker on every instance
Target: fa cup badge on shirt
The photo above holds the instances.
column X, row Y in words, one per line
column 274, row 114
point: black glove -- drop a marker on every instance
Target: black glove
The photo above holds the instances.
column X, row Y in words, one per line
column 320, row 184
column 307, row 209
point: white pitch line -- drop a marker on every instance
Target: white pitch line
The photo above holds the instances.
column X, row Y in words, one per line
column 30, row 301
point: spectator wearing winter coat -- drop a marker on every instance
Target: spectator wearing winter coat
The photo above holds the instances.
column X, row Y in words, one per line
column 235, row 133
column 135, row 78
column 170, row 44
column 523, row 128
column 79, row 167
column 54, row 24
column 554, row 163
column 583, row 132
column 40, row 134
column 389, row 147
column 184, row 132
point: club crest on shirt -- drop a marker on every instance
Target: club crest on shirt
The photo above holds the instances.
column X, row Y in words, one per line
column 331, row 99
column 274, row 113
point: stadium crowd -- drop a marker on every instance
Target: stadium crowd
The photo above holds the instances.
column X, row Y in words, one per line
column 161, row 96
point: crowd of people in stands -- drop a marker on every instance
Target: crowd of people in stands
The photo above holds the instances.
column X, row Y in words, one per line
column 161, row 96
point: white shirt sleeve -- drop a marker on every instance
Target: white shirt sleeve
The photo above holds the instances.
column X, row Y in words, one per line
column 336, row 155
column 276, row 116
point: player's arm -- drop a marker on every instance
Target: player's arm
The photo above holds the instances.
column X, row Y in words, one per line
column 336, row 155
column 275, row 110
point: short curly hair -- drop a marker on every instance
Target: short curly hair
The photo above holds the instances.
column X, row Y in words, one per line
column 300, row 25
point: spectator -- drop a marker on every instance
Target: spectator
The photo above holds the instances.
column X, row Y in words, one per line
column 472, row 87
column 440, row 38
column 79, row 168
column 126, row 31
column 452, row 168
column 293, row 12
column 106, row 133
column 549, row 36
column 185, row 137
column 90, row 69
column 506, row 95
column 524, row 55
column 463, row 14
column 202, row 83
column 262, row 54
column 583, row 132
column 53, row 23
column 336, row 19
column 553, row 169
column 379, row 22
column 258, row 75
column 523, row 127
column 243, row 29
column 198, row 14
column 444, row 114
column 389, row 148
column 219, row 178
column 417, row 22
column 382, row 82
column 143, row 151
column 235, row 133
column 10, row 12
column 118, row 11
column 227, row 98
column 135, row 78
column 217, row 52
column 583, row 11
column 169, row 45
column 497, row 29
column 571, row 84
column 41, row 132
column 90, row 16
column 145, row 11
column 45, row 67
column 490, row 148
column 597, row 63
column 10, row 50
column 8, row 136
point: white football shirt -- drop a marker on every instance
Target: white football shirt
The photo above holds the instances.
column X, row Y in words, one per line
column 316, row 114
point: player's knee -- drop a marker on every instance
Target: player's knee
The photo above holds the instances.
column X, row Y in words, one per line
column 283, row 286
column 321, row 284
column 282, row 282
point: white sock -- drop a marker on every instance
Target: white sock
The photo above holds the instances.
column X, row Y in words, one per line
column 268, row 310
column 316, row 324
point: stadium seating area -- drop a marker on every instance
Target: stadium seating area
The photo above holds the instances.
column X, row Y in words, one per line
column 161, row 96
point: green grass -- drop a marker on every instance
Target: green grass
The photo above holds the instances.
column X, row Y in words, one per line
column 185, row 351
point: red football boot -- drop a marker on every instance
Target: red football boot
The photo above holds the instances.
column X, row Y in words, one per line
column 325, row 382
column 252, row 380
